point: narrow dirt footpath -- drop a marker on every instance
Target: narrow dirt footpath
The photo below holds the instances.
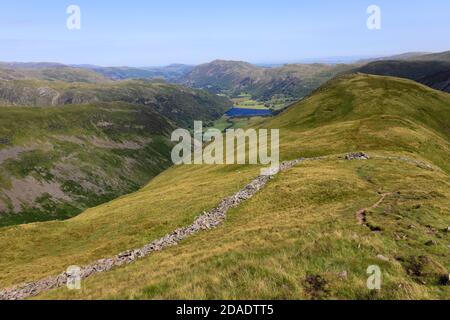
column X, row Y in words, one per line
column 206, row 221
column 361, row 214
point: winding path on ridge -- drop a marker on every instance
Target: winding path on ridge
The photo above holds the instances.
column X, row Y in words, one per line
column 206, row 221
column 361, row 215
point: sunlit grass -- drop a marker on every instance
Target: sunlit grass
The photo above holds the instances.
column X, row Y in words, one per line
column 302, row 224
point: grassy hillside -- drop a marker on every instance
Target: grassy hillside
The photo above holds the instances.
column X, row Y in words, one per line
column 65, row 147
column 289, row 82
column 300, row 239
column 413, row 70
column 295, row 81
column 171, row 73
column 440, row 56
column 177, row 103
column 434, row 74
column 48, row 72
column 397, row 57
column 56, row 162
column 297, row 238
column 414, row 56
column 286, row 83
column 88, row 73
column 370, row 113
column 220, row 75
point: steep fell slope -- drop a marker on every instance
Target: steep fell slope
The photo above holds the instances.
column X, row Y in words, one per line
column 439, row 81
column 179, row 104
column 434, row 74
column 301, row 236
column 440, row 56
column 56, row 162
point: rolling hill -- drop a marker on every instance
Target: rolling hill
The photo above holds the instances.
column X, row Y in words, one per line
column 288, row 82
column 310, row 233
column 397, row 57
column 171, row 73
column 48, row 72
column 221, row 75
column 440, row 56
column 433, row 73
column 89, row 73
column 292, row 81
column 180, row 104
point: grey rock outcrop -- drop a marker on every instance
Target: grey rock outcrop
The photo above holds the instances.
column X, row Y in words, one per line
column 357, row 156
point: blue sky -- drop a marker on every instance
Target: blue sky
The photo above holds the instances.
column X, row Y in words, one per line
column 150, row 33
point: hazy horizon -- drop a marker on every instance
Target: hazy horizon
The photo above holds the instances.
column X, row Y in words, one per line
column 324, row 60
column 145, row 34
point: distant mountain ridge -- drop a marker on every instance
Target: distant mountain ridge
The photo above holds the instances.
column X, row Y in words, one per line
column 49, row 72
column 433, row 73
column 288, row 81
column 441, row 56
column 169, row 73
column 402, row 56
column 180, row 104
column 291, row 80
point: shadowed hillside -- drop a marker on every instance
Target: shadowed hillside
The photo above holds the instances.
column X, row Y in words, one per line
column 439, row 80
column 434, row 74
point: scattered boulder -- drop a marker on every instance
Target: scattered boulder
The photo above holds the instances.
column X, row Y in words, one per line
column 343, row 275
column 5, row 141
column 431, row 230
column 357, row 156
column 383, row 258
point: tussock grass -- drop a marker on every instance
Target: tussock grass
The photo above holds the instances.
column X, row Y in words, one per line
column 171, row 200
column 303, row 224
column 293, row 239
